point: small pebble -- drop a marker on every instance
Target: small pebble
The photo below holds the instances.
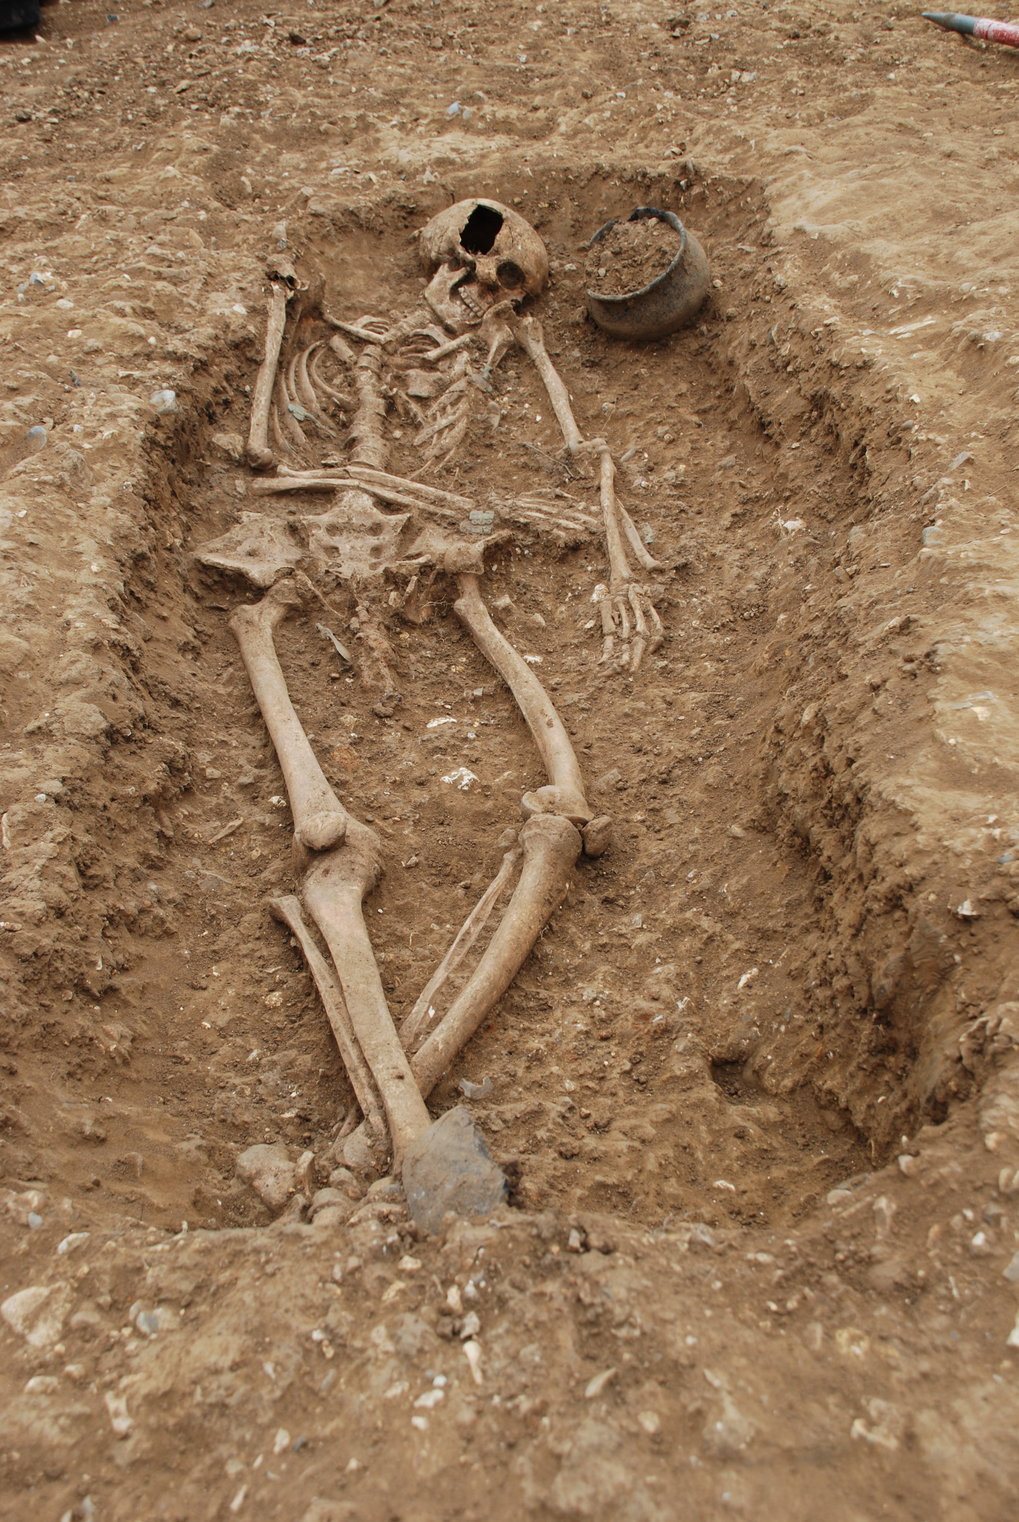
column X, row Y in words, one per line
column 461, row 777
column 164, row 401
column 75, row 1239
column 475, row 1090
column 471, row 1326
column 595, row 1386
column 472, row 1353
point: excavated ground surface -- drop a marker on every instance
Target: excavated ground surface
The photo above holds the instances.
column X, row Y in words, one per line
column 757, row 1086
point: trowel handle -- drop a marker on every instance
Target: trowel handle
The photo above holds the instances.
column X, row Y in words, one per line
column 984, row 27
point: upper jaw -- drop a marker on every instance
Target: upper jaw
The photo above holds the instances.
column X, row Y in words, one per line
column 457, row 299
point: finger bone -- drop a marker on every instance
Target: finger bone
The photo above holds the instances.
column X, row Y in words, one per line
column 603, row 603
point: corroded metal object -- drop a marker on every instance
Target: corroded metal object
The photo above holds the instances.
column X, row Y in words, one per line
column 666, row 303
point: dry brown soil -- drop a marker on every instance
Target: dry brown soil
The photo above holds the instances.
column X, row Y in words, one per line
column 758, row 1086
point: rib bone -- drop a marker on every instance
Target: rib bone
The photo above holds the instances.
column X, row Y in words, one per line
column 320, row 820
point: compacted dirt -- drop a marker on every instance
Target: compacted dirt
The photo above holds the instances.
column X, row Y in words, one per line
column 630, row 255
column 757, row 1088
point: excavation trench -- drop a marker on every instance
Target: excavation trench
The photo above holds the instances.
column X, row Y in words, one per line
column 702, row 1032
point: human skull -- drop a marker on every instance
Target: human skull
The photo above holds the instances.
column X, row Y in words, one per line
column 481, row 253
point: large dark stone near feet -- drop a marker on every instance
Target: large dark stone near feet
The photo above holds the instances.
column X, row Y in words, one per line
column 17, row 15
column 450, row 1168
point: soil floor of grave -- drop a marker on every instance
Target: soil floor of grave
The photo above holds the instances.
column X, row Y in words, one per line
column 754, row 1087
column 628, row 1068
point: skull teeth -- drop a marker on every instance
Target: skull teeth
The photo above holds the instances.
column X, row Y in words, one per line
column 476, row 310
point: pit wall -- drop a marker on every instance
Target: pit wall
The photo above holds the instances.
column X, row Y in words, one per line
column 889, row 765
column 859, row 772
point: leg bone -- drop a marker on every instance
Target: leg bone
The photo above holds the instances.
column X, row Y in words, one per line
column 288, row 909
column 333, row 890
column 567, row 785
column 550, row 846
column 320, row 820
column 465, row 938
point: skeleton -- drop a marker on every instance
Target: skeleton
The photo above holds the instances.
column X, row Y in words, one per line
column 483, row 260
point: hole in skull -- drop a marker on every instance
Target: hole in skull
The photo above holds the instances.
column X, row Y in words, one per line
column 481, row 230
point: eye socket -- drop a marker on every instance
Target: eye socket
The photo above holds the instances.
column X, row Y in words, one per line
column 510, row 275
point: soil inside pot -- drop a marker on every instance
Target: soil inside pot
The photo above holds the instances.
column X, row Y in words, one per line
column 630, row 256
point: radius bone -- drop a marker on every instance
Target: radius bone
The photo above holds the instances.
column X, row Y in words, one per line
column 528, row 333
